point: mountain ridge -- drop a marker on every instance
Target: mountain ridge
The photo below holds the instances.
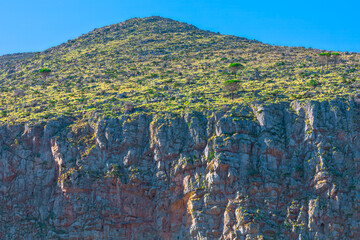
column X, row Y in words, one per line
column 134, row 21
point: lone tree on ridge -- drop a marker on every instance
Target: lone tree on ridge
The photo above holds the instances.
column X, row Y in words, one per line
column 336, row 58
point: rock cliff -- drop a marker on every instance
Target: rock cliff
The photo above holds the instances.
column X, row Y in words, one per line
column 250, row 172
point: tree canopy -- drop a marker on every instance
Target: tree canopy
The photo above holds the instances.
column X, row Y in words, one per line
column 44, row 70
column 235, row 65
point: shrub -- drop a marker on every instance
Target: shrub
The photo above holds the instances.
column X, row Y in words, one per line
column 211, row 156
column 312, row 83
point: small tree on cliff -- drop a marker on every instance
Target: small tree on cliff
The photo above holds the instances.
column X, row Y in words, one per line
column 44, row 72
column 234, row 67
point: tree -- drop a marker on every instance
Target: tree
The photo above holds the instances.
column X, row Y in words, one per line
column 328, row 56
column 336, row 57
column 232, row 86
column 324, row 58
column 234, row 67
column 44, row 72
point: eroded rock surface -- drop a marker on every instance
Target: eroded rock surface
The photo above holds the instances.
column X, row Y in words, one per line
column 260, row 172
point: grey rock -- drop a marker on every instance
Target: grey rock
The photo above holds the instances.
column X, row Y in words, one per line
column 274, row 171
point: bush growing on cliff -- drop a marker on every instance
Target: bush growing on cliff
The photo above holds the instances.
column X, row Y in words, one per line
column 210, row 156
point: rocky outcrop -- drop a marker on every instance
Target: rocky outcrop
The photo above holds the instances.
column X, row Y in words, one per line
column 259, row 172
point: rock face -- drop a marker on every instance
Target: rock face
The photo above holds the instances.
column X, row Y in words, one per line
column 260, row 172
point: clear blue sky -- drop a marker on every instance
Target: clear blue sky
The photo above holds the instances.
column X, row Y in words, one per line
column 38, row 24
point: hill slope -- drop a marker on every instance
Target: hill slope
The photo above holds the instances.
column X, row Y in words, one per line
column 161, row 65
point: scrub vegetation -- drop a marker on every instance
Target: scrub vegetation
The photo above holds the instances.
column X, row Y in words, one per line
column 158, row 65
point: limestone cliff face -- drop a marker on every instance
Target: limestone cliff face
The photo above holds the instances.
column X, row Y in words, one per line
column 260, row 172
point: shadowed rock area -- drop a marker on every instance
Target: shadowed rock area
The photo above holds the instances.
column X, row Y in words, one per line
column 259, row 172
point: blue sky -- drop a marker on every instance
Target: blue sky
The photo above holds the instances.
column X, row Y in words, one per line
column 38, row 24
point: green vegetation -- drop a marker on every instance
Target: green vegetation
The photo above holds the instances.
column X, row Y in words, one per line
column 231, row 81
column 157, row 65
column 232, row 86
column 211, row 156
column 325, row 58
column 312, row 83
column 44, row 72
column 234, row 67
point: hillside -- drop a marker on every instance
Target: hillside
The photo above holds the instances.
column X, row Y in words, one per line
column 160, row 65
column 7, row 61
column 133, row 135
